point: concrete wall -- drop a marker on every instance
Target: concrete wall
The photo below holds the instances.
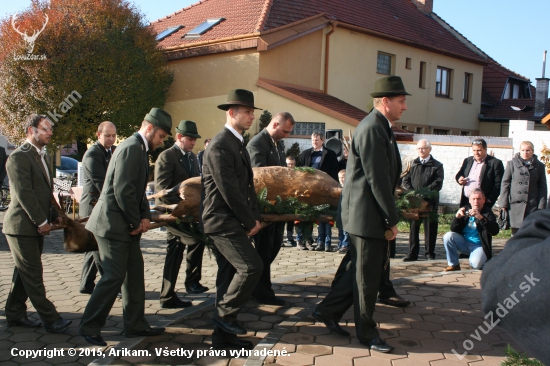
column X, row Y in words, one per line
column 352, row 74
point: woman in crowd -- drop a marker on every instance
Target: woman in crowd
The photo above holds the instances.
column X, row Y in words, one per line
column 523, row 189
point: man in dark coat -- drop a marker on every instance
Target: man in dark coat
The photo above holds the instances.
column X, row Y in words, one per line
column 480, row 171
column 324, row 159
column 94, row 167
column 472, row 232
column 230, row 215
column 29, row 217
column 172, row 167
column 425, row 172
column 3, row 159
column 201, row 153
column 369, row 213
column 117, row 221
column 516, row 287
column 267, row 149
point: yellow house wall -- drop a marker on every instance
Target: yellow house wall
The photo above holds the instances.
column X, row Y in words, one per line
column 210, row 75
column 352, row 74
column 297, row 62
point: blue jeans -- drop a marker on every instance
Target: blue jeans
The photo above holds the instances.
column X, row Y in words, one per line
column 455, row 242
column 343, row 239
column 325, row 234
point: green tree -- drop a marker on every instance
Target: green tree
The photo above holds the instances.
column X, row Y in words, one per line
column 294, row 151
column 101, row 49
column 265, row 118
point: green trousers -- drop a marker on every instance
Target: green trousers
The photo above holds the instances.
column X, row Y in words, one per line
column 123, row 270
column 27, row 282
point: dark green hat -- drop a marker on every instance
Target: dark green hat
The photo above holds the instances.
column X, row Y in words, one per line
column 389, row 86
column 370, row 105
column 239, row 97
column 161, row 118
column 188, row 128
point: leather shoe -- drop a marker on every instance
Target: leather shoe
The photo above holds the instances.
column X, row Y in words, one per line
column 395, row 300
column 95, row 340
column 196, row 288
column 224, row 340
column 302, row 247
column 58, row 326
column 410, row 258
column 175, row 303
column 147, row 332
column 452, row 268
column 430, row 256
column 319, row 248
column 24, row 322
column 378, row 345
column 272, row 301
column 330, row 323
column 229, row 327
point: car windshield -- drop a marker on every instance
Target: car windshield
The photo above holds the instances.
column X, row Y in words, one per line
column 68, row 164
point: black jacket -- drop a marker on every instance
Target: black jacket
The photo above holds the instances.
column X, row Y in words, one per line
column 329, row 161
column 487, row 228
column 94, row 163
column 521, row 270
column 264, row 152
column 428, row 175
column 491, row 177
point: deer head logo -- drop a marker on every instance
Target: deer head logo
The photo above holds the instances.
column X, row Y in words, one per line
column 29, row 39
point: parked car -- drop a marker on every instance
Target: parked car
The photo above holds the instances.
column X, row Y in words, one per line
column 68, row 168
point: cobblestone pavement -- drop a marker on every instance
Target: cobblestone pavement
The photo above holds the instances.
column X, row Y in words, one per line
column 445, row 314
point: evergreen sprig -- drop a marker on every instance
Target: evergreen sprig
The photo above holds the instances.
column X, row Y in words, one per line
column 517, row 359
column 292, row 206
column 413, row 199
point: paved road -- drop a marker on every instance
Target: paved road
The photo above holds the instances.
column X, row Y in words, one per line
column 445, row 312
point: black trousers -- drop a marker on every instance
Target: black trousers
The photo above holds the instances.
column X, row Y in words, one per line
column 239, row 269
column 90, row 267
column 360, row 287
column 268, row 243
column 172, row 263
column 430, row 237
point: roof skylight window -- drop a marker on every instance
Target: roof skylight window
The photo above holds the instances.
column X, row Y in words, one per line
column 202, row 28
column 168, row 31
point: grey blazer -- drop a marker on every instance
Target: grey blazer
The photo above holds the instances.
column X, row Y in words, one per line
column 31, row 192
column 374, row 166
column 228, row 196
column 122, row 203
column 264, row 152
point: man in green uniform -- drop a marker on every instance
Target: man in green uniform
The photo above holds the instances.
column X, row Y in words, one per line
column 117, row 221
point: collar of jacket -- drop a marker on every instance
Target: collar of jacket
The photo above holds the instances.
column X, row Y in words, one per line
column 429, row 162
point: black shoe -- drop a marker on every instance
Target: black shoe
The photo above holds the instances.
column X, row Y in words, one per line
column 395, row 300
column 319, row 248
column 302, row 247
column 86, row 292
column 196, row 288
column 329, row 249
column 148, row 332
column 58, row 326
column 24, row 322
column 175, row 303
column 430, row 256
column 378, row 345
column 224, row 340
column 410, row 258
column 330, row 323
column 292, row 243
column 272, row 301
column 95, row 340
column 229, row 327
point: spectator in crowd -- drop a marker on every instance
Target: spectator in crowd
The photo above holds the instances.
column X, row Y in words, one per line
column 94, row 167
column 290, row 163
column 201, row 153
column 480, row 171
column 3, row 159
column 343, row 236
column 267, row 149
column 471, row 233
column 28, row 219
column 117, row 221
column 173, row 166
column 326, row 160
column 425, row 172
column 523, row 190
column 515, row 287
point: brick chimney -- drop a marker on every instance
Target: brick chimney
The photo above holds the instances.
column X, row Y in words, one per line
column 541, row 97
column 425, row 6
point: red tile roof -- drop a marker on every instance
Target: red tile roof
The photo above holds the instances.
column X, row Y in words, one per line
column 504, row 112
column 398, row 19
column 495, row 77
column 324, row 103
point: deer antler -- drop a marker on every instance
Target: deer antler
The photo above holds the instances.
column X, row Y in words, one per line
column 15, row 28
